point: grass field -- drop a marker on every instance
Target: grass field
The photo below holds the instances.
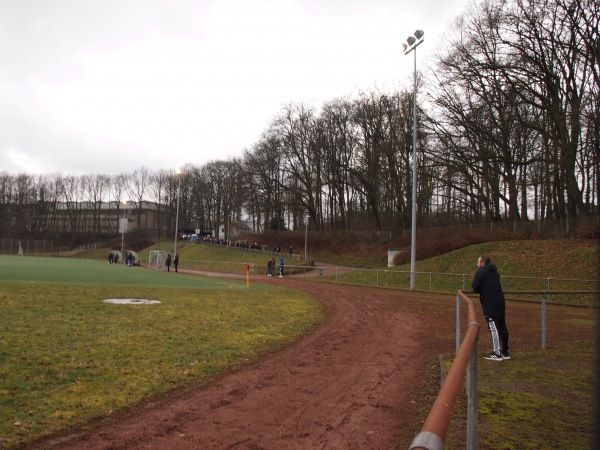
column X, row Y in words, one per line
column 74, row 271
column 67, row 357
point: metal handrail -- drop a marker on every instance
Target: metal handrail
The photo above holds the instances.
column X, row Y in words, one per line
column 433, row 432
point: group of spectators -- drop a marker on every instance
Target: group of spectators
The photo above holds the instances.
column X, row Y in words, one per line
column 130, row 260
column 244, row 244
column 271, row 267
column 230, row 243
column 175, row 262
column 277, row 249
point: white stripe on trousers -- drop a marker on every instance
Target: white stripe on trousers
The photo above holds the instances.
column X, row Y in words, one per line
column 494, row 334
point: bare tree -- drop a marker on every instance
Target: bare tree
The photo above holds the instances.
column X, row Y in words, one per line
column 46, row 203
column 136, row 186
column 158, row 192
column 262, row 167
column 199, row 206
column 72, row 193
column 223, row 182
column 96, row 188
column 295, row 131
column 551, row 72
column 339, row 147
column 369, row 117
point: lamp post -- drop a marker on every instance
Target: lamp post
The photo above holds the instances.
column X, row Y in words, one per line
column 306, row 236
column 413, row 43
column 123, row 229
column 177, row 213
column 230, row 218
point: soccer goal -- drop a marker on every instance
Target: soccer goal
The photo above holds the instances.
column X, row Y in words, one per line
column 156, row 260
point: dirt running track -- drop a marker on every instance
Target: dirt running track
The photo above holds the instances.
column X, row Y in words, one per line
column 350, row 384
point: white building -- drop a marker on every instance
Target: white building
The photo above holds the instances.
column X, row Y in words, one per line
column 237, row 228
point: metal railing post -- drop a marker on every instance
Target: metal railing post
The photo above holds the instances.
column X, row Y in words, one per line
column 543, row 320
column 457, row 322
column 472, row 399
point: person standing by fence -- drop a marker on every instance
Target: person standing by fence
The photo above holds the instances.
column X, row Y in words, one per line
column 487, row 284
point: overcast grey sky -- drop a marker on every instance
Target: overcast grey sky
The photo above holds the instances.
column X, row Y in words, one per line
column 109, row 86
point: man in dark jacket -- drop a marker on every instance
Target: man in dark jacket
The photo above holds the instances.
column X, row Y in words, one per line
column 487, row 283
column 168, row 262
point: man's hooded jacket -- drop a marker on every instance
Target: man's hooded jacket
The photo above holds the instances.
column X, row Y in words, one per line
column 491, row 296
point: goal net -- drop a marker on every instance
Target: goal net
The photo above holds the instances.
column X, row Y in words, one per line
column 156, row 260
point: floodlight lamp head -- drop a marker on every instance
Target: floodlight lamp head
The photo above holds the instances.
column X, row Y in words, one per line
column 411, row 40
column 419, row 34
column 404, row 46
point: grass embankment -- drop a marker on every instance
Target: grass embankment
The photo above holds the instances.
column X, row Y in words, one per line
column 564, row 259
column 524, row 265
column 67, row 357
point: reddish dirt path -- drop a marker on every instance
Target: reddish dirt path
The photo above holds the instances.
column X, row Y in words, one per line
column 350, row 384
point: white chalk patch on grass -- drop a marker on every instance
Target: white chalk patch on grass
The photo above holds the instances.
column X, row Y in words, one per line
column 131, row 301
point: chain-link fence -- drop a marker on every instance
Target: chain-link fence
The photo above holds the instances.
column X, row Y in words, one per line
column 438, row 281
column 11, row 246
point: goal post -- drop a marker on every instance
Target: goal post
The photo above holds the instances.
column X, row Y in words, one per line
column 156, row 260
